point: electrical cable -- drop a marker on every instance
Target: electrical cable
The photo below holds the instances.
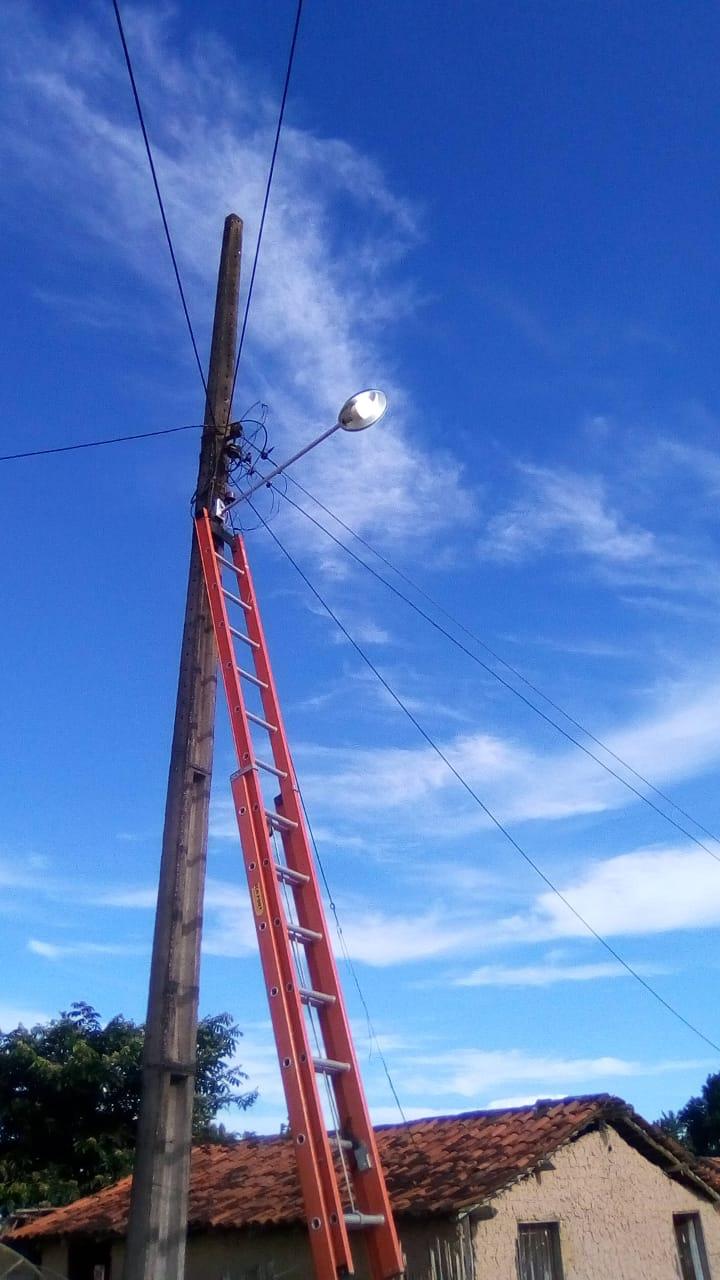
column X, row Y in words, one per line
column 496, row 656
column 374, row 1038
column 511, row 688
column 168, row 237
column 96, row 444
column 503, row 661
column 266, row 200
column 481, row 804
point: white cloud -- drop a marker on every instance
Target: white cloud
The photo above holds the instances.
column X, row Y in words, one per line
column 473, row 1073
column 676, row 737
column 545, row 975
column 365, row 631
column 570, row 513
column 647, row 891
column 229, row 928
column 381, row 938
column 520, row 1100
column 374, row 937
column 62, row 951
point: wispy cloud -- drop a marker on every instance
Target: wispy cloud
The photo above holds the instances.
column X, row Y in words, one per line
column 548, row 974
column 64, row 951
column 676, row 736
column 316, row 318
column 472, row 1074
column 568, row 513
column 648, row 891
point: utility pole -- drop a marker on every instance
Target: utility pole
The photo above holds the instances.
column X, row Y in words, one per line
column 158, row 1209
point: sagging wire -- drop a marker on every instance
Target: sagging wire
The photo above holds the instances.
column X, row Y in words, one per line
column 489, row 670
column 306, row 981
column 492, row 817
column 372, row 1033
column 250, row 436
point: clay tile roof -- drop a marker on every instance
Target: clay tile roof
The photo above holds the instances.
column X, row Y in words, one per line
column 440, row 1165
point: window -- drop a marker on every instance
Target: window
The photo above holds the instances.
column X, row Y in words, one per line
column 691, row 1246
column 538, row 1251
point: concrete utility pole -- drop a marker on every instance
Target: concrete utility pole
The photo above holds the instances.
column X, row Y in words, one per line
column 158, row 1209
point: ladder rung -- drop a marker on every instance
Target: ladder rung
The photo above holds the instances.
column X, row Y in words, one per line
column 289, row 875
column 355, row 1221
column 280, row 822
column 270, row 768
column 245, row 639
column 236, row 600
column 248, row 675
column 264, row 724
column 229, row 564
column 330, row 1066
column 316, row 998
column 301, row 934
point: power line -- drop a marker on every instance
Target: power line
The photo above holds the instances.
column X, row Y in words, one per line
column 521, row 696
column 374, row 1038
column 151, row 162
column 481, row 804
column 348, row 960
column 496, row 656
column 96, row 444
column 266, row 200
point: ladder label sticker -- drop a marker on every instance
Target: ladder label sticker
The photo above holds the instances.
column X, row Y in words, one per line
column 257, row 900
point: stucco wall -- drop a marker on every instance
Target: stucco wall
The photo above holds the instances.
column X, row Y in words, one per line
column 54, row 1256
column 615, row 1211
column 250, row 1255
column 614, row 1207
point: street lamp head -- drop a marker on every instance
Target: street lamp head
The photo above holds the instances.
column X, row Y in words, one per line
column 362, row 410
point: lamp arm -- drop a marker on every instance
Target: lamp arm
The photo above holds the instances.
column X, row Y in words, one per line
column 266, row 480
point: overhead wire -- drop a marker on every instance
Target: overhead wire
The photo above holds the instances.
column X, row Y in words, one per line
column 146, row 435
column 491, row 816
column 161, row 204
column 96, row 444
column 503, row 661
column 266, row 198
column 496, row 675
column 611, row 950
column 372, row 1033
column 374, row 1038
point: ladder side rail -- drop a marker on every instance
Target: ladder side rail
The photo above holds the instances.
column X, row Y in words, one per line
column 299, row 1081
column 369, row 1186
column 307, row 1126
column 318, row 1219
column 268, row 695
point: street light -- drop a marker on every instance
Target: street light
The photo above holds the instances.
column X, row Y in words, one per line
column 362, row 410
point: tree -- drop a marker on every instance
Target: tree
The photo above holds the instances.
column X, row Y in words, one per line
column 70, row 1095
column 697, row 1124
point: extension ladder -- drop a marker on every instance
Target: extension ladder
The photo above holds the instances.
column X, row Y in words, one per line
column 340, row 1175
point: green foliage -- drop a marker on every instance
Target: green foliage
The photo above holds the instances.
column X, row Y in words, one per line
column 697, row 1124
column 69, row 1101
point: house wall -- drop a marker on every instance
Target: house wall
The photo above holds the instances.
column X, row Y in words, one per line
column 435, row 1251
column 54, row 1256
column 615, row 1211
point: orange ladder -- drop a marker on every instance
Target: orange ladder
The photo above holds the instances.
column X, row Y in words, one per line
column 340, row 1175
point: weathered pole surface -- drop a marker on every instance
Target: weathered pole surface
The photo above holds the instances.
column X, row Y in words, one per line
column 159, row 1202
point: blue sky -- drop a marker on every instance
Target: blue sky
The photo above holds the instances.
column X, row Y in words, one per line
column 508, row 220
